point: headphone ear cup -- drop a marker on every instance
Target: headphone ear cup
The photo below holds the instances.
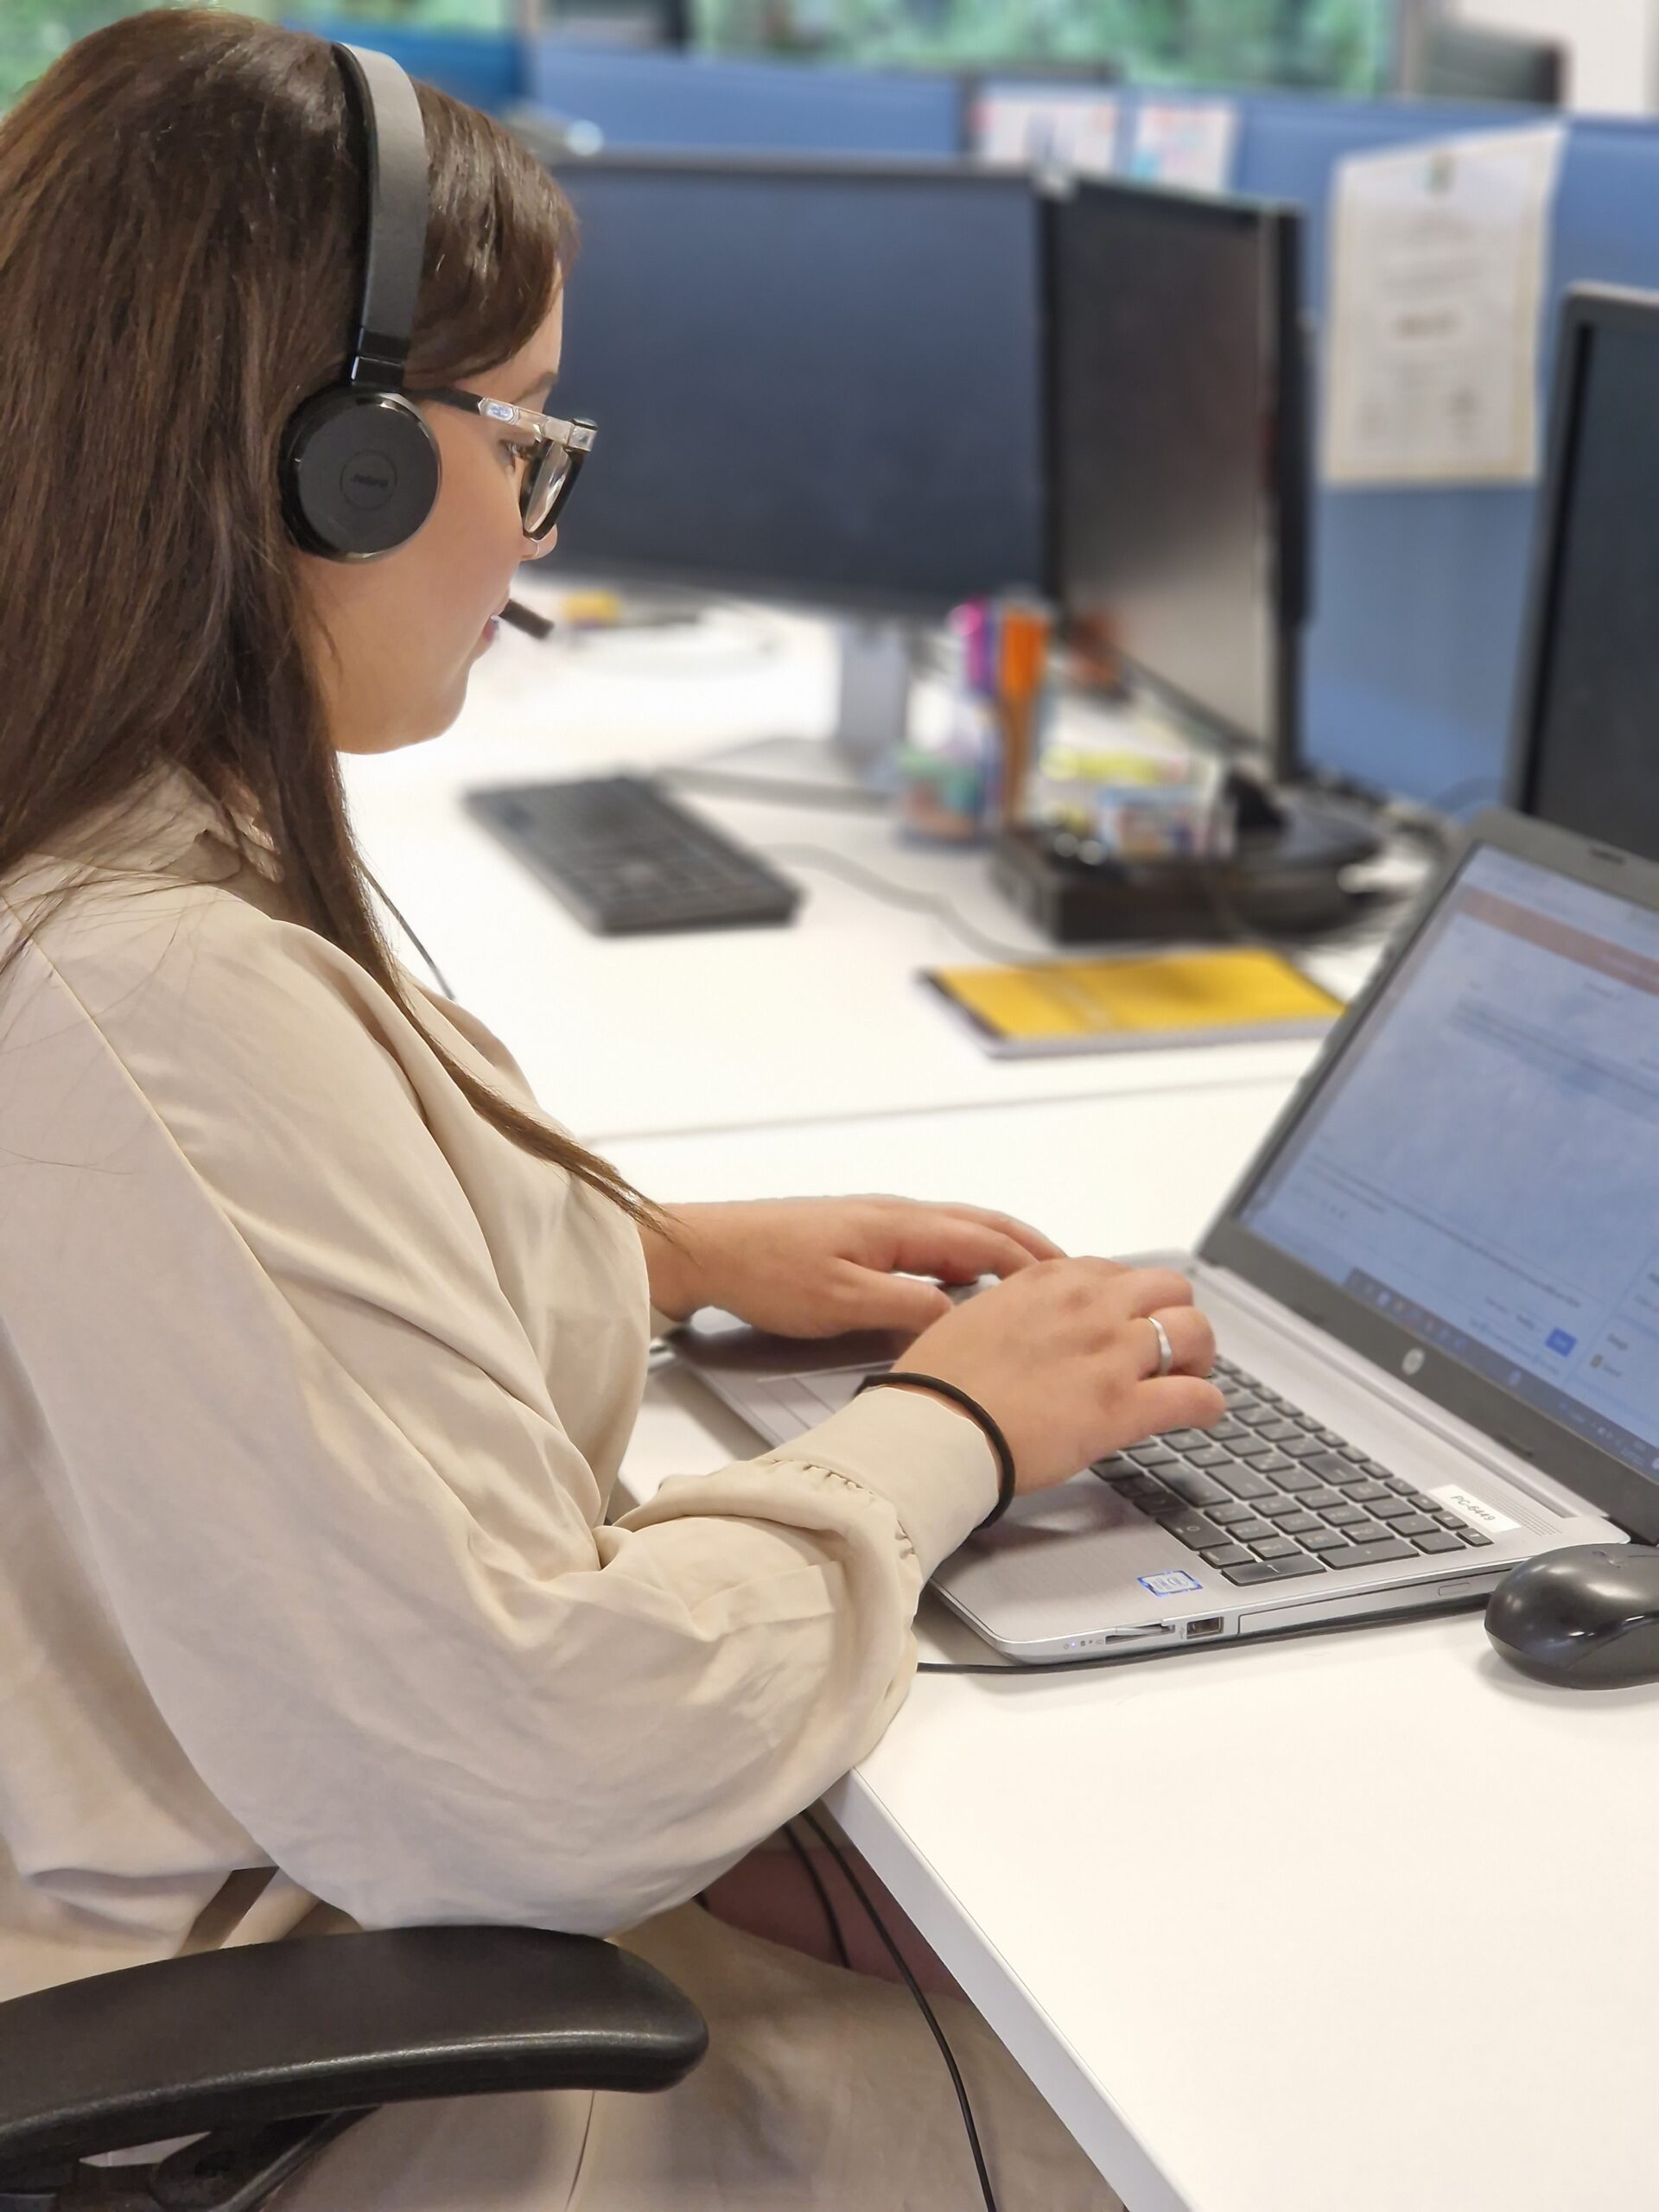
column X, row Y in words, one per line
column 361, row 472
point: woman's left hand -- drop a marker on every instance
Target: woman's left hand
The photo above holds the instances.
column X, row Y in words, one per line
column 814, row 1267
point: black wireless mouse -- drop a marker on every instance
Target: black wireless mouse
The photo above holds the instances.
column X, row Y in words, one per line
column 1587, row 1616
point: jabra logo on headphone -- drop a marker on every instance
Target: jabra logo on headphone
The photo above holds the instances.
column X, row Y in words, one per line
column 368, row 479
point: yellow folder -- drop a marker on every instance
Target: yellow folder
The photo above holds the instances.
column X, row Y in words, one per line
column 1115, row 1005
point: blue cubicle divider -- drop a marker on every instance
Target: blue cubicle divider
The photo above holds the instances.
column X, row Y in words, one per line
column 487, row 69
column 690, row 102
column 1420, row 594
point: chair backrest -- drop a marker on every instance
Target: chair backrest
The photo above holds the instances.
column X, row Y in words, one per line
column 1466, row 61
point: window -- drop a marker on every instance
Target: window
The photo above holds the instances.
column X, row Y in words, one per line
column 1331, row 44
column 33, row 33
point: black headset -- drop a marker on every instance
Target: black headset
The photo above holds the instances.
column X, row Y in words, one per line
column 359, row 466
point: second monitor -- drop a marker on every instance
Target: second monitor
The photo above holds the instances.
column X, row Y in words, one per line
column 1586, row 746
column 1178, row 439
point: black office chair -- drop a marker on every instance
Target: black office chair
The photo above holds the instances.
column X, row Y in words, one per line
column 270, row 2051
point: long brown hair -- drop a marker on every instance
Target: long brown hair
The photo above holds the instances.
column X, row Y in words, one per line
column 180, row 200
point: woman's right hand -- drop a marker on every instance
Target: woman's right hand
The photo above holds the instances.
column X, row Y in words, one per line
column 1061, row 1358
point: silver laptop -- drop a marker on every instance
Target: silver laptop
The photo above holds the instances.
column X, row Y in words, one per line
column 1435, row 1290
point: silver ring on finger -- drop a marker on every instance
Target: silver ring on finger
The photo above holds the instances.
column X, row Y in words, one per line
column 1165, row 1349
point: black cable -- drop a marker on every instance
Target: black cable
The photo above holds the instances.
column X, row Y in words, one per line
column 391, row 907
column 915, row 1989
column 775, row 790
column 831, row 1917
column 437, row 973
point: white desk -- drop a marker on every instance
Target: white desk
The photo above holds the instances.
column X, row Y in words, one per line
column 717, row 1030
column 1354, row 1924
column 1110, row 1175
column 1357, row 1924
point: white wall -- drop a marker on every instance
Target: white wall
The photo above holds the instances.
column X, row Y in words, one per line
column 1613, row 45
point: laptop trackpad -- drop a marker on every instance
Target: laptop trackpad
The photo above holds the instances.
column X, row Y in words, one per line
column 719, row 1343
column 1063, row 1557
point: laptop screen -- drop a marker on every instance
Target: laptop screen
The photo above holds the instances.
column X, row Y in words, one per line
column 1481, row 1165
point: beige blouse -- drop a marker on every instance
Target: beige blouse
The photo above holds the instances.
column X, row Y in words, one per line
column 313, row 1392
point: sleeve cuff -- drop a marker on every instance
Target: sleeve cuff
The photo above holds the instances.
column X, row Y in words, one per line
column 933, row 1464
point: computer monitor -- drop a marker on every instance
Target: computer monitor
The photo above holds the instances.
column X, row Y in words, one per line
column 1177, row 406
column 1585, row 749
column 814, row 381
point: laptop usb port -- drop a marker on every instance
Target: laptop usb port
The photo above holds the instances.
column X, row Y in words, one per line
column 1210, row 1625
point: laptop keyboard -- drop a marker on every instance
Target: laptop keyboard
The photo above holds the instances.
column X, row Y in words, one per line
column 1269, row 1495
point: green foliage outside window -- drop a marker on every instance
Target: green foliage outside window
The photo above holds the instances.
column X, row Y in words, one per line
column 411, row 15
column 33, row 33
column 1333, row 44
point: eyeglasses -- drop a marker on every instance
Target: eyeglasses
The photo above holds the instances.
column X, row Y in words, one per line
column 553, row 454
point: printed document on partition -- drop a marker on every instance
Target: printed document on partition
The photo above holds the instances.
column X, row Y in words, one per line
column 1188, row 143
column 1047, row 129
column 1439, row 257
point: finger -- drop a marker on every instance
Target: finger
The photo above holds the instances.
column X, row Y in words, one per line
column 1149, row 1290
column 1032, row 1240
column 885, row 1301
column 1177, row 1401
column 931, row 1241
column 1191, row 1340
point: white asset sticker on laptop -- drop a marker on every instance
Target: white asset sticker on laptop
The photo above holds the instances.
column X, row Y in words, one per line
column 1473, row 1509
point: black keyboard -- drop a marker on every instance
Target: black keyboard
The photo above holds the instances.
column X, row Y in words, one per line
column 1269, row 1495
column 625, row 859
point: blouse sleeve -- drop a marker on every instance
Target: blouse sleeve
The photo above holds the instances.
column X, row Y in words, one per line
column 321, row 1477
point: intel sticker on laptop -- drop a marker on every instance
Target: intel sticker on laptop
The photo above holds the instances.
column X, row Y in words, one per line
column 1168, row 1586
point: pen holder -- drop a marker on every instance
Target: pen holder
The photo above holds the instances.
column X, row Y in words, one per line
column 943, row 795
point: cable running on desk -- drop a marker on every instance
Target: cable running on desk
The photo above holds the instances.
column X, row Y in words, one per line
column 895, row 894
column 1231, row 923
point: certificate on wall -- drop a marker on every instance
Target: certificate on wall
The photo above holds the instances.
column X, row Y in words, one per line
column 1189, row 143
column 1438, row 255
column 1058, row 128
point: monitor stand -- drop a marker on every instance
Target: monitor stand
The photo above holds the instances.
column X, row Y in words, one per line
column 854, row 765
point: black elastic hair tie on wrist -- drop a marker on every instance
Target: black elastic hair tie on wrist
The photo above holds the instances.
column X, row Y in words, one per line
column 994, row 1436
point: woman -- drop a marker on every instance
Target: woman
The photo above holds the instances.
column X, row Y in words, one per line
column 320, row 1343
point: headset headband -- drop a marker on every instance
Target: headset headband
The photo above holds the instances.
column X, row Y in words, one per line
column 394, row 143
